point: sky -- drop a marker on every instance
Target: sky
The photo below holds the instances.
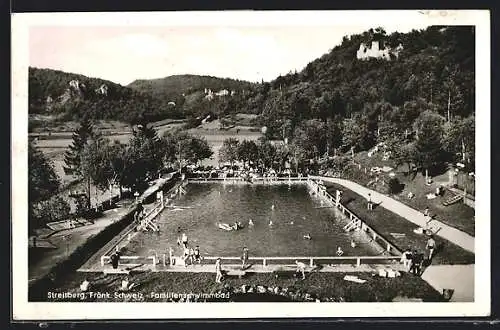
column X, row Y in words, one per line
column 123, row 54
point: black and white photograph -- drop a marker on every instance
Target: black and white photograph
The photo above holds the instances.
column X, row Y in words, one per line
column 298, row 164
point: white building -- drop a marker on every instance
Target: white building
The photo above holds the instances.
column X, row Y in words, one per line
column 365, row 52
column 222, row 92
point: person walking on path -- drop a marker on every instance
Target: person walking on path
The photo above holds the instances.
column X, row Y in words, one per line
column 369, row 202
column 431, row 245
column 244, row 258
column 218, row 271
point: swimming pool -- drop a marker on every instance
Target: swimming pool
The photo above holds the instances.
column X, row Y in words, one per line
column 295, row 214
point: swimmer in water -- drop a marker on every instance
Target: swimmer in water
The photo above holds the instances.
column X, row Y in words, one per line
column 272, row 207
column 270, row 223
column 353, row 244
column 250, row 222
column 307, row 236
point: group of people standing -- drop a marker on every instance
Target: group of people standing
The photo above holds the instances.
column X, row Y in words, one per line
column 190, row 255
column 414, row 260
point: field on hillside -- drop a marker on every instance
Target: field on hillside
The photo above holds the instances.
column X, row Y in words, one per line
column 54, row 140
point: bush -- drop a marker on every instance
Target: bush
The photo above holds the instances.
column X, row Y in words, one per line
column 394, row 186
column 53, row 209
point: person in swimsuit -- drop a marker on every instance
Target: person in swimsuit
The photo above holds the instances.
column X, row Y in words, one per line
column 244, row 258
column 191, row 256
column 184, row 240
column 301, row 267
column 197, row 256
column 186, row 256
column 431, row 245
column 218, row 271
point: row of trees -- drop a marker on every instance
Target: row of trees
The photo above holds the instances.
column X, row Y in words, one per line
column 263, row 154
column 132, row 165
column 107, row 164
column 428, row 144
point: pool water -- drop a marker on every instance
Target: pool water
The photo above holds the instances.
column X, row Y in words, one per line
column 294, row 215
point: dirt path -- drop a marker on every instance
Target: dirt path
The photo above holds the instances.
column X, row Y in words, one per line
column 449, row 233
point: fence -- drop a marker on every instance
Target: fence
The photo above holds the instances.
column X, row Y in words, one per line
column 311, row 260
column 322, row 192
column 463, row 181
column 163, row 260
column 257, row 180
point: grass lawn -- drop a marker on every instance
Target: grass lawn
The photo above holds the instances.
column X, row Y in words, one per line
column 325, row 286
column 386, row 222
column 457, row 215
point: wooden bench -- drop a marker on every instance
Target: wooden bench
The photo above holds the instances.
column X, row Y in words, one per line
column 235, row 272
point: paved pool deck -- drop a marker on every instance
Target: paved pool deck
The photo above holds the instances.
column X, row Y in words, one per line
column 255, row 268
column 459, row 278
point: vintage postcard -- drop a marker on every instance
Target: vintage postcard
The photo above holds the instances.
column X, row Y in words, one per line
column 253, row 164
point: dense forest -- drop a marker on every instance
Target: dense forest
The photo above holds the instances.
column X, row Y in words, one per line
column 173, row 87
column 434, row 71
column 50, row 93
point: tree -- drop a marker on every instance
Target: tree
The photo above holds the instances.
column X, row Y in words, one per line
column 282, row 156
column 72, row 156
column 333, row 135
column 247, row 151
column 42, row 179
column 229, row 150
column 357, row 134
column 52, row 209
column 104, row 163
column 143, row 159
column 267, row 154
column 311, row 136
column 180, row 147
column 298, row 155
column 42, row 183
column 199, row 149
column 428, row 148
column 403, row 153
column 459, row 139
